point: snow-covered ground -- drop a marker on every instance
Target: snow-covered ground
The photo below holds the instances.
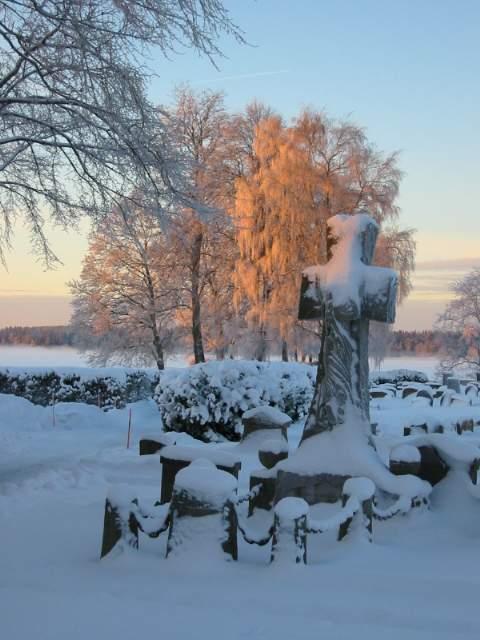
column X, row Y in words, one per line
column 25, row 356
column 55, row 357
column 418, row 580
column 426, row 364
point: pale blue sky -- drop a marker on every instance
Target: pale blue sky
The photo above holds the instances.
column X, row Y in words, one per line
column 406, row 71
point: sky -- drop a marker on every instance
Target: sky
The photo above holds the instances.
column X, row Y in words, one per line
column 405, row 71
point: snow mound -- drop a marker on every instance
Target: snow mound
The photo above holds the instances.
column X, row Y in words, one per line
column 291, row 508
column 268, row 415
column 205, row 482
column 405, row 453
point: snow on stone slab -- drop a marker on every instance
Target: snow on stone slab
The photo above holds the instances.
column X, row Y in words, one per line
column 121, row 496
column 188, row 454
column 405, row 453
column 345, row 451
column 394, row 414
column 165, row 438
column 274, row 445
column 289, row 509
column 207, row 483
column 454, row 449
column 268, row 415
column 345, row 279
column 360, row 488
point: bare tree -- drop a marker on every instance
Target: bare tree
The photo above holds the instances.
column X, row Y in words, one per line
column 462, row 318
column 125, row 300
column 77, row 130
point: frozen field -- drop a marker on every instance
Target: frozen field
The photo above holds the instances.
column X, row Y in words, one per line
column 61, row 357
column 418, row 580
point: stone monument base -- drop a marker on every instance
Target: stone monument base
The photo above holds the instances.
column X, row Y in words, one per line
column 320, row 487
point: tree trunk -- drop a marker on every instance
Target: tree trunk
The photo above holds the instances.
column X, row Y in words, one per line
column 157, row 343
column 221, row 349
column 196, row 307
column 261, row 347
column 284, row 351
column 158, row 350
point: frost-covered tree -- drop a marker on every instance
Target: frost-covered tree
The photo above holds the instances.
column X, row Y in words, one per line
column 77, row 130
column 299, row 176
column 201, row 130
column 461, row 322
column 380, row 337
column 126, row 298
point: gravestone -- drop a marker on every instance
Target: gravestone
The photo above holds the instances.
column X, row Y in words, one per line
column 345, row 294
column 202, row 514
column 175, row 458
column 265, row 422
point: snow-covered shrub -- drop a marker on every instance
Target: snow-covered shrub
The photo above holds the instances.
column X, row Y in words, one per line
column 105, row 392
column 42, row 388
column 207, row 401
column 70, row 389
column 397, row 375
column 139, row 386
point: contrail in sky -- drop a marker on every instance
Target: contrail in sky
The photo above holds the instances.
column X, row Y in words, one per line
column 242, row 76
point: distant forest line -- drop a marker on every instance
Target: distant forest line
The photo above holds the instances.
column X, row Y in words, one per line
column 401, row 342
column 57, row 336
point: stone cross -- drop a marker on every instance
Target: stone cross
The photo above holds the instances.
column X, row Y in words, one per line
column 345, row 294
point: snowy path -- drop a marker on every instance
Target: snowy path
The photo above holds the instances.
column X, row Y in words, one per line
column 419, row 579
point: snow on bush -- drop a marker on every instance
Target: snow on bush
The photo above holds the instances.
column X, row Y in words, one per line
column 49, row 387
column 207, row 401
column 397, row 375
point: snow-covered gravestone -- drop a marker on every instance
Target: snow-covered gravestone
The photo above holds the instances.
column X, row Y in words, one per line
column 345, row 294
column 202, row 515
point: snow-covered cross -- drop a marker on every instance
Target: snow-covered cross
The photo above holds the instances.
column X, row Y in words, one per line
column 346, row 293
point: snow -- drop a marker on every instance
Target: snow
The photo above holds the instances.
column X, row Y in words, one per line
column 207, row 483
column 360, row 488
column 417, row 579
column 405, row 453
column 396, row 375
column 343, row 451
column 274, row 445
column 346, row 278
column 291, row 508
column 427, row 365
column 187, row 454
column 269, row 415
column 45, row 357
column 121, row 495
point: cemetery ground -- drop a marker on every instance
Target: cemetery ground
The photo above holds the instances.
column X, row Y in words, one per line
column 418, row 579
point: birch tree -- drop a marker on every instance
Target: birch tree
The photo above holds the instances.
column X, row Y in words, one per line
column 77, row 130
column 300, row 176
